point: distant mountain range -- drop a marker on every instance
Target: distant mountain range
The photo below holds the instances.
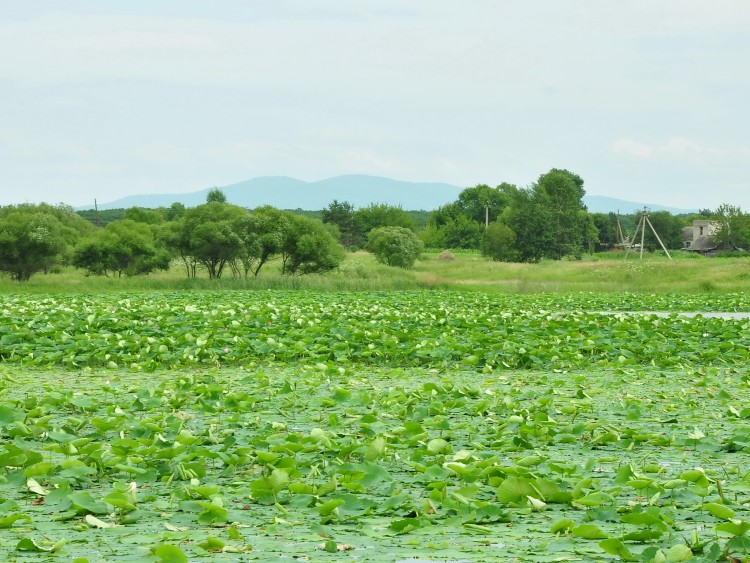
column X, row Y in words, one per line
column 359, row 190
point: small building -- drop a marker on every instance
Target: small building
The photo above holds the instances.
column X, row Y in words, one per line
column 698, row 238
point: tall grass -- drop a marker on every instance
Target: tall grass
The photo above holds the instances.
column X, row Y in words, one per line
column 601, row 273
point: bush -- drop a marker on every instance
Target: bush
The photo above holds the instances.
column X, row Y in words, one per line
column 498, row 243
column 394, row 246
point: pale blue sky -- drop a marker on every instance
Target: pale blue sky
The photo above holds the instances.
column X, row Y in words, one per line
column 646, row 100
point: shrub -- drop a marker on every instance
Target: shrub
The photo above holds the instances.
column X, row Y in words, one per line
column 394, row 246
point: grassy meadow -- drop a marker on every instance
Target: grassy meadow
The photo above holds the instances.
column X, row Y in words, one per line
column 462, row 412
column 600, row 273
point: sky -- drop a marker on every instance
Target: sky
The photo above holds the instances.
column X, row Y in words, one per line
column 646, row 100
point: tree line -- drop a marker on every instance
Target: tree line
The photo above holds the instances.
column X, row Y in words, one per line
column 546, row 220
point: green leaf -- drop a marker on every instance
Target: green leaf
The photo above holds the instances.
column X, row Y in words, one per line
column 589, row 532
column 28, row 544
column 122, row 501
column 719, row 510
column 679, row 552
column 94, row 522
column 734, row 528
column 8, row 521
column 84, row 502
column 614, row 546
column 212, row 544
column 562, row 525
column 33, row 486
column 328, row 507
column 169, row 554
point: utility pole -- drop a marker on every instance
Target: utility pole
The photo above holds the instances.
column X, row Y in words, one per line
column 642, row 226
column 96, row 210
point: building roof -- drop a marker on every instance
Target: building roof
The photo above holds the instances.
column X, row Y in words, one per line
column 702, row 243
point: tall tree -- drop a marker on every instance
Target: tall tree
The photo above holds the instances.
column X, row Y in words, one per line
column 215, row 195
column 342, row 214
column 205, row 235
column 732, row 227
column 262, row 233
column 529, row 216
column 561, row 193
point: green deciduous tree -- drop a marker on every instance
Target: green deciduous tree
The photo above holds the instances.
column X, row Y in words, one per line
column 30, row 242
column 262, row 233
column 561, row 193
column 732, row 227
column 460, row 224
column 122, row 247
column 309, row 247
column 529, row 217
column 34, row 238
column 606, row 226
column 342, row 215
column 144, row 215
column 215, row 195
column 205, row 236
column 461, row 231
column 395, row 246
column 498, row 243
column 382, row 215
column 667, row 226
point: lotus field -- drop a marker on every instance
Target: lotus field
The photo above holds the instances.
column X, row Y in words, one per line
column 374, row 427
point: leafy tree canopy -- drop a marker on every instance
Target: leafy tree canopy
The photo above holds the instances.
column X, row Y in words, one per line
column 215, row 195
column 382, row 215
column 122, row 247
column 395, row 246
column 309, row 247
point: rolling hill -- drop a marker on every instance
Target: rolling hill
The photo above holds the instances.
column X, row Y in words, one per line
column 289, row 193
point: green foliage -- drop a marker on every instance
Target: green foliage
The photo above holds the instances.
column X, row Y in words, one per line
column 394, row 246
column 262, row 234
column 148, row 216
column 732, row 227
column 342, row 215
column 560, row 193
column 473, row 330
column 378, row 215
column 531, row 220
column 205, row 236
column 461, row 224
column 322, row 454
column 34, row 238
column 309, row 247
column 458, row 232
column 215, row 195
column 667, row 226
column 607, row 230
column 102, row 217
column 122, row 247
column 498, row 242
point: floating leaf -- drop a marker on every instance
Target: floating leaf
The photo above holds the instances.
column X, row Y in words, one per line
column 169, row 554
column 94, row 522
